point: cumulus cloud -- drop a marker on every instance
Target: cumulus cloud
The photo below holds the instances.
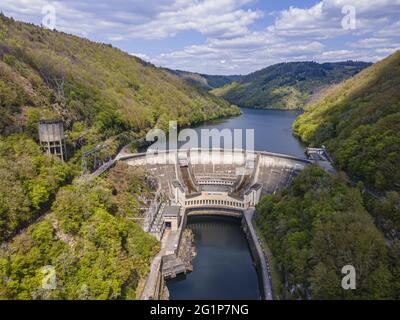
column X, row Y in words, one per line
column 300, row 34
column 137, row 19
column 371, row 43
column 391, row 30
column 238, row 57
column 142, row 56
column 218, row 19
column 230, row 43
column 324, row 19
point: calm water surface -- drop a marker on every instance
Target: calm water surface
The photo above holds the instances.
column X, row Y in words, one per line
column 272, row 129
column 223, row 267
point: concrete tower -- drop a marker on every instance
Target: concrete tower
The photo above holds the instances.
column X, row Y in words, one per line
column 52, row 138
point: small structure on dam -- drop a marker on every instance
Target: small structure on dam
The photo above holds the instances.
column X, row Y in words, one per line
column 172, row 217
column 321, row 157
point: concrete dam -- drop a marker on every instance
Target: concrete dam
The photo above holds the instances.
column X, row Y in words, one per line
column 207, row 182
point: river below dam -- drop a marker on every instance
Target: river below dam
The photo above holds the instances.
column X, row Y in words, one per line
column 223, row 267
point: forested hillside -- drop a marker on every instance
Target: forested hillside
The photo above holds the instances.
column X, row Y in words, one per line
column 315, row 228
column 29, row 181
column 87, row 240
column 48, row 218
column 359, row 122
column 97, row 90
column 205, row 81
column 287, row 85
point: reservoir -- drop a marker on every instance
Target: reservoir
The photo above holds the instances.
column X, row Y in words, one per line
column 272, row 129
column 223, row 267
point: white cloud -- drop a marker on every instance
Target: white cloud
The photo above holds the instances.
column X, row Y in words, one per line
column 324, row 19
column 391, row 30
column 208, row 57
column 387, row 51
column 371, row 43
column 156, row 19
column 142, row 56
column 299, row 34
column 219, row 19
column 231, row 44
column 337, row 55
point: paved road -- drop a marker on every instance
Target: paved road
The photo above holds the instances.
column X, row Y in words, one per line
column 266, row 281
column 169, row 244
column 152, row 278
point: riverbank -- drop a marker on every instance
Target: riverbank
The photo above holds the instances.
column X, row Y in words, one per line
column 261, row 261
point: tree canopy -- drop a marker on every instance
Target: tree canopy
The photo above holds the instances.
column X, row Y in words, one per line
column 94, row 250
column 93, row 87
column 315, row 228
column 287, row 85
column 29, row 181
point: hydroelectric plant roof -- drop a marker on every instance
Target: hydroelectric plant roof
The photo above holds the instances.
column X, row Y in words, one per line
column 172, row 211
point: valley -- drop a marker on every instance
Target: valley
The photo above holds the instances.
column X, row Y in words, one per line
column 106, row 233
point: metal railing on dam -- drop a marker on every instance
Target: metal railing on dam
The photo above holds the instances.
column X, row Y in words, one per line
column 210, row 211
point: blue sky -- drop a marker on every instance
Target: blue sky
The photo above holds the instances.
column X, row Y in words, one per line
column 227, row 36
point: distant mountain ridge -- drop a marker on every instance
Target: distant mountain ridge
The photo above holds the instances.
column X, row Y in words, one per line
column 205, row 81
column 287, row 85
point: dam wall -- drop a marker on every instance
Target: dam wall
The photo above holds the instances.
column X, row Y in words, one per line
column 219, row 170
